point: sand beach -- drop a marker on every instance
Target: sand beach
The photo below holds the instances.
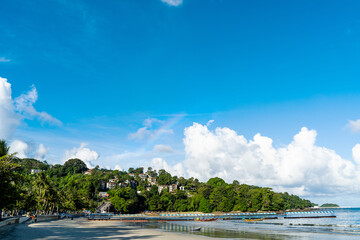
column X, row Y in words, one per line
column 81, row 228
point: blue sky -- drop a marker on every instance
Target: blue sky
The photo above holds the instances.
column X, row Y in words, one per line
column 106, row 71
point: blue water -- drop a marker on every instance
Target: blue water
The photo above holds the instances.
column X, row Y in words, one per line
column 346, row 225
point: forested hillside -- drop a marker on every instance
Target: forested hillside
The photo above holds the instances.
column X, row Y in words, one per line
column 32, row 185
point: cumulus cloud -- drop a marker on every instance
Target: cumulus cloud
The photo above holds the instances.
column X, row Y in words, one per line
column 354, row 125
column 22, row 149
column 83, row 153
column 24, row 105
column 152, row 127
column 41, row 152
column 9, row 121
column 176, row 170
column 174, row 3
column 117, row 167
column 27, row 150
column 3, row 59
column 163, row 148
column 301, row 167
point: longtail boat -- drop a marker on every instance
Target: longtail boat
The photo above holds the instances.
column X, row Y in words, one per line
column 206, row 219
column 254, row 220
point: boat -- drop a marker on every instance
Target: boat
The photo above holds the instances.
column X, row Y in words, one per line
column 254, row 219
column 206, row 219
column 196, row 229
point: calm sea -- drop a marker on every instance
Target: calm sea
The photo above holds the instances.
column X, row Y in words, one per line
column 346, row 225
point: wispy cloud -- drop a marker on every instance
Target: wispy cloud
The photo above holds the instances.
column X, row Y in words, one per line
column 163, row 148
column 174, row 3
column 3, row 59
column 151, row 128
column 354, row 125
column 24, row 105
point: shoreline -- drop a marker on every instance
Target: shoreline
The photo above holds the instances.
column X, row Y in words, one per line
column 81, row 228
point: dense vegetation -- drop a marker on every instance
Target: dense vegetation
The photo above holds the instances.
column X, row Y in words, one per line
column 65, row 187
column 329, row 205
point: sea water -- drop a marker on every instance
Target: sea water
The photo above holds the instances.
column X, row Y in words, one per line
column 346, row 225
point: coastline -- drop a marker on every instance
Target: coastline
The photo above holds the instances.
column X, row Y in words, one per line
column 81, row 228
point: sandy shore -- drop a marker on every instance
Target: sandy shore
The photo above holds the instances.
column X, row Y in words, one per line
column 83, row 229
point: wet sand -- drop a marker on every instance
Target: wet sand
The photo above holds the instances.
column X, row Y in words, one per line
column 81, row 228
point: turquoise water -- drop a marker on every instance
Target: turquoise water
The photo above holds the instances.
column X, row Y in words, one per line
column 346, row 225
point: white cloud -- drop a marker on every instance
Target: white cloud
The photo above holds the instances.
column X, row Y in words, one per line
column 356, row 153
column 117, row 167
column 83, row 153
column 22, row 149
column 354, row 125
column 209, row 123
column 149, row 122
column 152, row 127
column 41, row 152
column 27, row 150
column 9, row 121
column 11, row 112
column 24, row 105
column 163, row 148
column 176, row 170
column 3, row 59
column 140, row 134
column 174, row 3
column 300, row 167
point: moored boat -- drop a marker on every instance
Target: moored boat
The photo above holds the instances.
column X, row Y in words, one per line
column 254, row 219
column 206, row 219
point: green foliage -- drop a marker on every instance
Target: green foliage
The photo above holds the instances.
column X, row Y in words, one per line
column 164, row 178
column 329, row 205
column 216, row 182
column 8, row 178
column 29, row 163
column 74, row 165
column 4, row 149
column 65, row 187
column 204, row 206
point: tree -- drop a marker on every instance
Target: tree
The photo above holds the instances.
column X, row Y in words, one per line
column 164, row 177
column 8, row 187
column 47, row 196
column 216, row 182
column 74, row 165
column 204, row 206
column 4, row 148
column 126, row 200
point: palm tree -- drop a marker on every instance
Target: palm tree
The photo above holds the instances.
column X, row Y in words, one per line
column 47, row 194
column 4, row 149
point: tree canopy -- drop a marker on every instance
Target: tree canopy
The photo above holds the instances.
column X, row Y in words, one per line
column 65, row 187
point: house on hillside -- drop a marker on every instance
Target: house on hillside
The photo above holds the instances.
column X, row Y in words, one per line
column 131, row 183
column 88, row 172
column 172, row 188
column 182, row 188
column 162, row 187
column 152, row 180
column 112, row 183
column 143, row 177
column 33, row 171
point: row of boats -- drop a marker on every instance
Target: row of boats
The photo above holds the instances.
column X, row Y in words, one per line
column 215, row 219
